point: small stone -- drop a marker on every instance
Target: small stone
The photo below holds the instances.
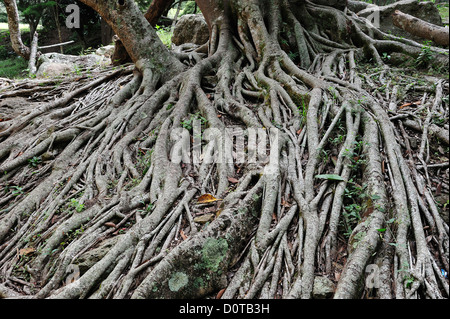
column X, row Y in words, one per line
column 323, row 288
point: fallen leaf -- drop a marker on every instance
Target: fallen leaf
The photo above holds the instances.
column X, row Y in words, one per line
column 337, row 275
column 410, row 104
column 233, row 180
column 110, row 224
column 26, row 251
column 203, row 219
column 331, row 177
column 207, row 198
column 220, row 293
column 183, row 235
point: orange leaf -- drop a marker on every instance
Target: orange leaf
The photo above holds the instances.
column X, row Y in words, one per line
column 220, row 293
column 207, row 198
column 410, row 104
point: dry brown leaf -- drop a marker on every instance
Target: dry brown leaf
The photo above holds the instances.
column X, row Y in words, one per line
column 233, row 180
column 410, row 104
column 110, row 224
column 183, row 235
column 207, row 198
column 220, row 293
column 337, row 275
column 26, row 251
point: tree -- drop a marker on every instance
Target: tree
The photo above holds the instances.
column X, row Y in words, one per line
column 14, row 29
column 285, row 71
column 32, row 11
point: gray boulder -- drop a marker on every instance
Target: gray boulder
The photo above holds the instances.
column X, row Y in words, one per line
column 53, row 69
column 191, row 28
column 57, row 64
column 106, row 51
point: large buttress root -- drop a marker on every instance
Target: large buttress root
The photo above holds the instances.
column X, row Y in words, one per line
column 325, row 187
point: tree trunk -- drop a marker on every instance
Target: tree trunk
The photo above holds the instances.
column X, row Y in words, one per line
column 107, row 33
column 156, row 10
column 14, row 29
column 33, row 55
column 139, row 38
column 420, row 28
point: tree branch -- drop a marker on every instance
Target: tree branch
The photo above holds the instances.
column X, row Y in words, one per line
column 420, row 28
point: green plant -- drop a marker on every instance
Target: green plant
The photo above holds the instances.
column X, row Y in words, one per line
column 144, row 160
column 13, row 67
column 4, row 52
column 148, row 208
column 293, row 55
column 165, row 35
column 187, row 123
column 425, row 56
column 75, row 204
column 77, row 70
column 35, row 161
column 351, row 214
column 386, row 56
column 16, row 190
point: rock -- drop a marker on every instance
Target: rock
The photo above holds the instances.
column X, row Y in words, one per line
column 57, row 64
column 426, row 11
column 106, row 51
column 191, row 28
column 52, row 69
column 323, row 288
